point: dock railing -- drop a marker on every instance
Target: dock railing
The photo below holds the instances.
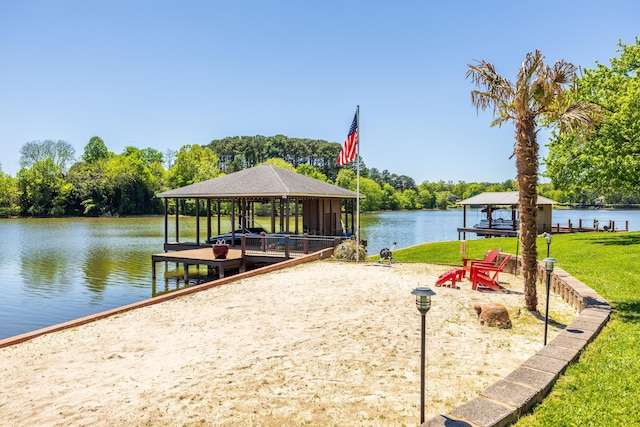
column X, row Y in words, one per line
column 285, row 244
column 608, row 226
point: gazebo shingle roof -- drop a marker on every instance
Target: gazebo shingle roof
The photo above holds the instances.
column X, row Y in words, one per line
column 260, row 181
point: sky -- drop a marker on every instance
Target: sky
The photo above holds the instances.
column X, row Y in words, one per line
column 164, row 74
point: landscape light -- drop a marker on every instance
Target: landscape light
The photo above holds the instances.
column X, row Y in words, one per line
column 423, row 304
column 548, row 266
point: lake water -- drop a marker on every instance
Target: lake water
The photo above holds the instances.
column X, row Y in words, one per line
column 55, row 270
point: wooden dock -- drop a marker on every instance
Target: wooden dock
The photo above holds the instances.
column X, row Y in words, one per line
column 251, row 253
column 488, row 232
column 201, row 256
column 597, row 226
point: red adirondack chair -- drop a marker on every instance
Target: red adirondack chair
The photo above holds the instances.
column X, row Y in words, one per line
column 485, row 277
column 489, row 259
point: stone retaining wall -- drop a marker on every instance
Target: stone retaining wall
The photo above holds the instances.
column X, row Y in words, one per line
column 502, row 403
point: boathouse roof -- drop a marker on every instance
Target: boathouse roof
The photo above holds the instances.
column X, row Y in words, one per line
column 501, row 198
column 261, row 181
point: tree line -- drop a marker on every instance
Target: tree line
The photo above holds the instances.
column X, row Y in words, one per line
column 601, row 167
column 51, row 183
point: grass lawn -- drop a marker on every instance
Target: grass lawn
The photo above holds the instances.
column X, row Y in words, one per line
column 602, row 388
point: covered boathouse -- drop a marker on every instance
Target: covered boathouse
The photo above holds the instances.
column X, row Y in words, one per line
column 305, row 215
column 500, row 214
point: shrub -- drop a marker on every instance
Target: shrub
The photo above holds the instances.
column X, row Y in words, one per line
column 348, row 250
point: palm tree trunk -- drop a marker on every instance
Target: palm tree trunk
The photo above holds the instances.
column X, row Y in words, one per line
column 527, row 168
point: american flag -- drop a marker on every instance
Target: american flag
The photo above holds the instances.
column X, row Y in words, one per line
column 350, row 145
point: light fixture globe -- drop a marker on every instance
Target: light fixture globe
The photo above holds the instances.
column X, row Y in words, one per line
column 548, row 264
column 423, row 298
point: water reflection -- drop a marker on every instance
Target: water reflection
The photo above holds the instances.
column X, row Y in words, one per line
column 44, row 265
column 174, row 280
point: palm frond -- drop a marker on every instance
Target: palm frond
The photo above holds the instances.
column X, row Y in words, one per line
column 580, row 116
column 496, row 91
column 563, row 73
column 527, row 83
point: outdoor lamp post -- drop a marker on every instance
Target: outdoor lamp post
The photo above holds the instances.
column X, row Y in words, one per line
column 548, row 266
column 547, row 236
column 423, row 304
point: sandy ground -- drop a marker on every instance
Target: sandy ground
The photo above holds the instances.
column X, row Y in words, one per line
column 326, row 343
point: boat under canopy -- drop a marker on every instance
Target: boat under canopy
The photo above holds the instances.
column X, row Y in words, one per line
column 496, row 223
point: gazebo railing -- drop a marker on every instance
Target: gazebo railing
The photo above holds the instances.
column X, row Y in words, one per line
column 285, row 244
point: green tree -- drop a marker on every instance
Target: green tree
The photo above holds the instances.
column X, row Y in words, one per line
column 346, row 179
column 90, row 189
column 95, row 150
column 129, row 185
column 148, row 156
column 426, row 199
column 43, row 189
column 281, row 163
column 472, row 190
column 9, row 195
column 443, row 199
column 193, row 163
column 123, row 184
column 239, row 152
column 608, row 160
column 410, row 199
column 369, row 188
column 312, row 172
column 373, row 195
column 389, row 197
column 538, row 94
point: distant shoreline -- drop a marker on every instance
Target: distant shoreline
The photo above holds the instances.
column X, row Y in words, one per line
column 607, row 207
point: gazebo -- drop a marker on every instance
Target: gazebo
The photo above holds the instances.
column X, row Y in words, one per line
column 302, row 204
column 497, row 226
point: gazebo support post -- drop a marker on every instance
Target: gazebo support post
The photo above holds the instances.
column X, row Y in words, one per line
column 208, row 219
column 177, row 218
column 197, row 221
column 219, row 208
column 166, row 221
column 273, row 215
column 233, row 221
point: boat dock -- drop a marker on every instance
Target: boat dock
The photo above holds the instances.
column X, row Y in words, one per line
column 251, row 253
column 570, row 227
column 595, row 226
column 202, row 256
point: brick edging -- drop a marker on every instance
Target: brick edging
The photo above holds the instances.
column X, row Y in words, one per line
column 178, row 293
column 505, row 401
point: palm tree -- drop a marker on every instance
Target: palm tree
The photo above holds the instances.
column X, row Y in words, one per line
column 538, row 94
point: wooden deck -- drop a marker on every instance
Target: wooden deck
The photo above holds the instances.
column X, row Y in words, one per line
column 252, row 253
column 233, row 260
column 202, row 256
column 491, row 232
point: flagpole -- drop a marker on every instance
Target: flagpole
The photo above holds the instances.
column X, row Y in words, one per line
column 358, row 187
